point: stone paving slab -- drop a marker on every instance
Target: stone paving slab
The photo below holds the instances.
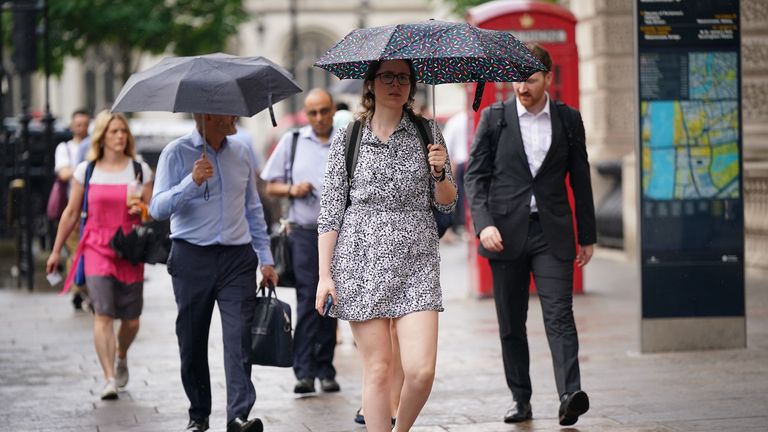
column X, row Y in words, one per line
column 50, row 378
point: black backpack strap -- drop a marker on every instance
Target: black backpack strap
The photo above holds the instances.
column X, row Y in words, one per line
column 138, row 173
column 352, row 151
column 84, row 212
column 566, row 117
column 288, row 175
column 425, row 133
column 498, row 112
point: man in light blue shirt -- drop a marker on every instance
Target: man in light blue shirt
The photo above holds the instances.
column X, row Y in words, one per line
column 219, row 238
column 300, row 178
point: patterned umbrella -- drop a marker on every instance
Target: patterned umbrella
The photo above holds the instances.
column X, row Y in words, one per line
column 441, row 52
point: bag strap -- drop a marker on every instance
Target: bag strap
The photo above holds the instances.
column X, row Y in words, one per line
column 84, row 211
column 138, row 173
column 501, row 123
column 352, row 151
column 268, row 291
column 288, row 174
column 424, row 132
column 566, row 117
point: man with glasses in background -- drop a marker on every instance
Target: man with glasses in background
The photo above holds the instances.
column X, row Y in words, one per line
column 295, row 170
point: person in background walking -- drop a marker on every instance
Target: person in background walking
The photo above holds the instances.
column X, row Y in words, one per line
column 66, row 159
column 295, row 170
column 115, row 286
column 519, row 203
column 456, row 141
column 379, row 257
column 219, row 238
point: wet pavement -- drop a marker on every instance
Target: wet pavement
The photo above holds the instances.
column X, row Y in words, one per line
column 50, row 378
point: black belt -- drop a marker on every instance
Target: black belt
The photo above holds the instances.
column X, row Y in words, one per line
column 533, row 216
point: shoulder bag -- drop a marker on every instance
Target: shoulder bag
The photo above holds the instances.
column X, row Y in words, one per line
column 279, row 241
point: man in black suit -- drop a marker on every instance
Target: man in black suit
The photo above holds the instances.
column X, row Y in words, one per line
column 515, row 181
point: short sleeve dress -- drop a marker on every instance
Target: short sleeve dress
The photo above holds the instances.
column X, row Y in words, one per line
column 386, row 263
column 107, row 211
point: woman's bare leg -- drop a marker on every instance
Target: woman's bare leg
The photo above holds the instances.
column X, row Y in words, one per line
column 104, row 341
column 373, row 342
column 417, row 334
column 396, row 372
column 126, row 336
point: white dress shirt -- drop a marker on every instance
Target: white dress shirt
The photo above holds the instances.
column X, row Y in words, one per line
column 536, row 130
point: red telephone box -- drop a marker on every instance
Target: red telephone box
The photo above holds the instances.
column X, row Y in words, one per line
column 552, row 27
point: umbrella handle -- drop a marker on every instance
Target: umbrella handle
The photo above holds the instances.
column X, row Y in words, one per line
column 434, row 116
column 206, row 193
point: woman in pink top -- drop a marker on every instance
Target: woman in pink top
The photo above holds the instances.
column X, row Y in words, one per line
column 115, row 286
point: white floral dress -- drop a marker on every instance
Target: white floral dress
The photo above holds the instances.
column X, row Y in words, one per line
column 386, row 263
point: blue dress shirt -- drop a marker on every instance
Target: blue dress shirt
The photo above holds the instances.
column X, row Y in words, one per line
column 308, row 165
column 231, row 216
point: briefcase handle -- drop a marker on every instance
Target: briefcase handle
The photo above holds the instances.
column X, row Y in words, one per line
column 268, row 291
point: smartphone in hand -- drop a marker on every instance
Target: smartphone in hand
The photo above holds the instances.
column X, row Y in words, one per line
column 327, row 305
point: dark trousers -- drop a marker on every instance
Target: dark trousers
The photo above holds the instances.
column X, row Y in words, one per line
column 201, row 276
column 554, row 285
column 314, row 340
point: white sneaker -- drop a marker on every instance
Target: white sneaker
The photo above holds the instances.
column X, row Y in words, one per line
column 121, row 372
column 110, row 390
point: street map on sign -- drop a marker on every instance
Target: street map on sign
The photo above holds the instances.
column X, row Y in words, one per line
column 690, row 147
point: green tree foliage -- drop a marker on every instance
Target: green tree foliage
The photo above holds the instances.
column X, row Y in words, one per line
column 183, row 27
column 460, row 6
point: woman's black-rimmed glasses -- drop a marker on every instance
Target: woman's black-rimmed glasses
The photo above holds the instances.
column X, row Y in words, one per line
column 389, row 78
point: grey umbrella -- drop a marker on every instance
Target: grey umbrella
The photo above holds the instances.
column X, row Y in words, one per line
column 214, row 84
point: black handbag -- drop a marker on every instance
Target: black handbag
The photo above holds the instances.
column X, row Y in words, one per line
column 279, row 242
column 281, row 255
column 148, row 243
column 271, row 332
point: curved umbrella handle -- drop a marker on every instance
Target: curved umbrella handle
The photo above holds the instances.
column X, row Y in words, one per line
column 271, row 111
column 478, row 95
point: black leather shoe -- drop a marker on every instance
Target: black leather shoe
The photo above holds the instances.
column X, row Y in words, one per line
column 329, row 385
column 197, row 426
column 304, row 386
column 520, row 412
column 240, row 425
column 572, row 406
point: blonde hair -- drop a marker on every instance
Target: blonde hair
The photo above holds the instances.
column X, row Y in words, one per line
column 100, row 125
column 368, row 101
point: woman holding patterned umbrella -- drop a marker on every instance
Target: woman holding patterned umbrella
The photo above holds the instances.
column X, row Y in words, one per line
column 379, row 255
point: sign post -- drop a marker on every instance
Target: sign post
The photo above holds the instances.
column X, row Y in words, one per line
column 691, row 201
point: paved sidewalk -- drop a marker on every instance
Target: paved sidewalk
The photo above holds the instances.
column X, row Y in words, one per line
column 50, row 378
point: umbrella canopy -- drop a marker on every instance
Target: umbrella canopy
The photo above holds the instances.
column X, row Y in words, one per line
column 441, row 52
column 214, row 84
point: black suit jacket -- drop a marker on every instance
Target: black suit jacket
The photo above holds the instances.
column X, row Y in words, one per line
column 499, row 186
